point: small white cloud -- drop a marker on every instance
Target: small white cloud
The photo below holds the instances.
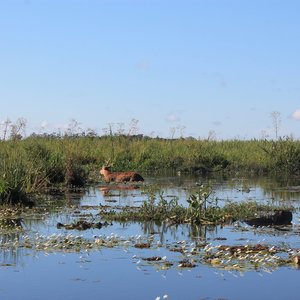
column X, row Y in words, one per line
column 296, row 114
column 173, row 118
column 44, row 124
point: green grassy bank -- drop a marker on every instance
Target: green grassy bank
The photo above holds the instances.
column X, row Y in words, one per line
column 34, row 164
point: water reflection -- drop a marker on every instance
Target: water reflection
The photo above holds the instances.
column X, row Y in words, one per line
column 262, row 189
column 10, row 255
column 86, row 204
column 166, row 233
column 113, row 273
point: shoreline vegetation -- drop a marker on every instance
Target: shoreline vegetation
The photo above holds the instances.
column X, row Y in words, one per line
column 39, row 164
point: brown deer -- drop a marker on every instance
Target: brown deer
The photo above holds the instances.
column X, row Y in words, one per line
column 120, row 176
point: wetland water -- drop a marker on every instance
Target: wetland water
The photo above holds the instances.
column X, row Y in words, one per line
column 110, row 263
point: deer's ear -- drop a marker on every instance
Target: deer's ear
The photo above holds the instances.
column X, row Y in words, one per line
column 108, row 163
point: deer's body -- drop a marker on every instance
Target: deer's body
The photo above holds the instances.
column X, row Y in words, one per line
column 120, row 176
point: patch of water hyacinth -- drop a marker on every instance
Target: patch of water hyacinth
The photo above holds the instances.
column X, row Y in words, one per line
column 248, row 257
column 71, row 242
column 186, row 255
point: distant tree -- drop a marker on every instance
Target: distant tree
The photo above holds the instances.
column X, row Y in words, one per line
column 133, row 127
column 172, row 132
column 120, row 129
column 17, row 130
column 212, row 136
column 6, row 125
column 181, row 129
column 74, row 128
column 90, row 132
column 276, row 120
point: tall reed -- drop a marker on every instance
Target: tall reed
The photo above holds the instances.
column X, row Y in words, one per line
column 34, row 164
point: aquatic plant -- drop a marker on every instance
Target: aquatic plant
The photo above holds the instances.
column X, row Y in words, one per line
column 154, row 209
column 202, row 208
column 188, row 254
column 198, row 203
column 240, row 257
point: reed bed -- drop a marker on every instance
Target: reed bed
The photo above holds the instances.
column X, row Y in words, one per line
column 34, row 164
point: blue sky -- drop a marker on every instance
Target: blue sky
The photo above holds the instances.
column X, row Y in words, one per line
column 191, row 67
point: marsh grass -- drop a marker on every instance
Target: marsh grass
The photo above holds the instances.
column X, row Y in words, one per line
column 33, row 164
column 284, row 156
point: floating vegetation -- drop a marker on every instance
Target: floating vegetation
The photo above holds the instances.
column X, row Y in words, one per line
column 142, row 245
column 247, row 257
column 241, row 257
column 185, row 263
column 201, row 209
column 296, row 259
column 10, row 219
column 15, row 223
column 153, row 258
column 82, row 225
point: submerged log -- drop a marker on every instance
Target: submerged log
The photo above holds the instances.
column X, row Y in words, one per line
column 280, row 217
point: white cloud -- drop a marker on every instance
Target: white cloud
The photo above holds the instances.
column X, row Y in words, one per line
column 173, row 118
column 44, row 124
column 296, row 114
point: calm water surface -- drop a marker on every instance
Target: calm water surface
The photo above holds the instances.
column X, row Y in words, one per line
column 121, row 273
